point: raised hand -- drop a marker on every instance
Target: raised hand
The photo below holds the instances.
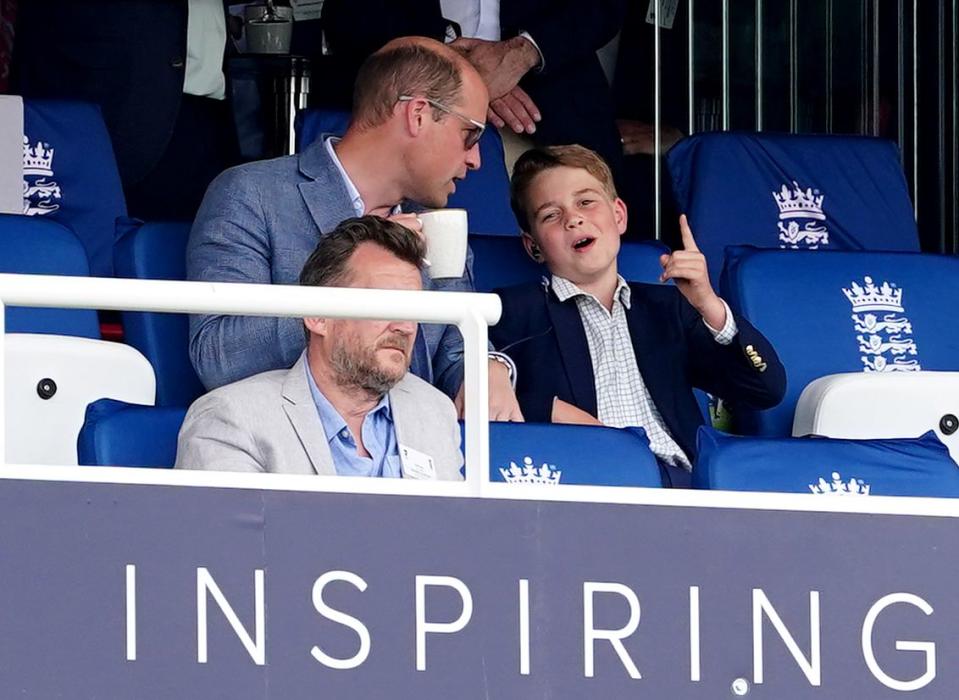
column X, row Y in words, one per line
column 687, row 268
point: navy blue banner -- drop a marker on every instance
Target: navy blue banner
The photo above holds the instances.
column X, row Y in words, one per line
column 137, row 591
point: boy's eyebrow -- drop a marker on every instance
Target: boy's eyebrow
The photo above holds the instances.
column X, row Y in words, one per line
column 577, row 193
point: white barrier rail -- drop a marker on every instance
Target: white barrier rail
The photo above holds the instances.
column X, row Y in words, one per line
column 472, row 313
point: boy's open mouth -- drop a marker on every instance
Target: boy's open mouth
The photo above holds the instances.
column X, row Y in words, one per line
column 583, row 243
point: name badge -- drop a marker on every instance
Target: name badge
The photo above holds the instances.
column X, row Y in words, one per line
column 416, row 464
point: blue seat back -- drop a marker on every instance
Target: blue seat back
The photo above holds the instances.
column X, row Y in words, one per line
column 791, row 191
column 501, row 261
column 829, row 312
column 889, row 467
column 573, row 454
column 70, row 174
column 118, row 434
column 484, row 194
column 157, row 251
column 40, row 246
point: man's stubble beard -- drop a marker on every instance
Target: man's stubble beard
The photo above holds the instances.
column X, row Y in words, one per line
column 358, row 369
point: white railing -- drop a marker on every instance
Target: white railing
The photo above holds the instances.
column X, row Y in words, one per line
column 471, row 313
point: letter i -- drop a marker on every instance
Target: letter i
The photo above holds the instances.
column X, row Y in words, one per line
column 131, row 612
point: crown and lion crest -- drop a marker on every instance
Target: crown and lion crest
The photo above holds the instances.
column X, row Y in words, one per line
column 797, row 204
column 39, row 192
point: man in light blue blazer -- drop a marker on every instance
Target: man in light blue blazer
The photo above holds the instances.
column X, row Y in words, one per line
column 419, row 110
column 348, row 406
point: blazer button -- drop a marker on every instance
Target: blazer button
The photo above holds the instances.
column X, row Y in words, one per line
column 176, row 63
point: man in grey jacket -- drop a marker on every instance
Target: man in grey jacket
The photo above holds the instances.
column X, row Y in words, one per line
column 349, row 405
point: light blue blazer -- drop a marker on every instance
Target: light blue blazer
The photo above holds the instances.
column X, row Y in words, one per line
column 258, row 223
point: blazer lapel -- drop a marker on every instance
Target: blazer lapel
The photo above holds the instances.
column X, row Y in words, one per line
column 325, row 193
column 652, row 360
column 573, row 350
column 301, row 411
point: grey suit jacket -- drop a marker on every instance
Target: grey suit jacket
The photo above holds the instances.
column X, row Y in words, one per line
column 269, row 423
column 258, row 224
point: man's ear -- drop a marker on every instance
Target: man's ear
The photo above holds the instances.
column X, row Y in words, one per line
column 317, row 326
column 620, row 216
column 414, row 115
column 532, row 249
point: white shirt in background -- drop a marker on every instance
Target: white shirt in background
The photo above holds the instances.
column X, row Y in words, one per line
column 205, row 44
column 478, row 19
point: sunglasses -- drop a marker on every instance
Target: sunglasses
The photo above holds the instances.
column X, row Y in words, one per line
column 472, row 136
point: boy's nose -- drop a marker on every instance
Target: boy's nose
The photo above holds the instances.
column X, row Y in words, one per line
column 574, row 221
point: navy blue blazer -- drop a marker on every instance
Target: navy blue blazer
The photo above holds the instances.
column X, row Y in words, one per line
column 674, row 350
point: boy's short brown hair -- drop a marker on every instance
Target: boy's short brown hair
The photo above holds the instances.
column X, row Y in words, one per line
column 538, row 160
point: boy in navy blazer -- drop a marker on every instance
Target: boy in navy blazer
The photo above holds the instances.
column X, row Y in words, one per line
column 591, row 347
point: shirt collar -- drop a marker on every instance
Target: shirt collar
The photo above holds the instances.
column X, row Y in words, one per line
column 565, row 289
column 355, row 199
column 331, row 419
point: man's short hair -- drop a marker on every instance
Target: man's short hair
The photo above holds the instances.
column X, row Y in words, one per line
column 538, row 160
column 327, row 264
column 405, row 69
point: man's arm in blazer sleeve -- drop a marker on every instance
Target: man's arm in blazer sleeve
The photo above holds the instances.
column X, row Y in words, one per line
column 213, row 438
column 229, row 242
column 567, row 33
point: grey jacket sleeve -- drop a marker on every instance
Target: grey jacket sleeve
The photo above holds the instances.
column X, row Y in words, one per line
column 213, row 438
column 230, row 242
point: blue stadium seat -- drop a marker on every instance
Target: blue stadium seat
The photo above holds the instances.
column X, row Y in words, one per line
column 118, row 434
column 573, row 454
column 71, row 176
column 792, row 192
column 827, row 466
column 831, row 312
column 157, row 251
column 484, row 193
column 501, row 261
column 40, row 246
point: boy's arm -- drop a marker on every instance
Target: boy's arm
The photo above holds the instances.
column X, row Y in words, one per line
column 742, row 368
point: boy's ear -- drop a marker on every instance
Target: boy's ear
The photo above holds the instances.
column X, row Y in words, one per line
column 620, row 215
column 532, row 249
column 317, row 326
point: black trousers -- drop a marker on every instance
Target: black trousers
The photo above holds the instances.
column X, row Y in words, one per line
column 203, row 144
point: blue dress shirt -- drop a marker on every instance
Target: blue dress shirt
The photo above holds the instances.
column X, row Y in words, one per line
column 379, row 437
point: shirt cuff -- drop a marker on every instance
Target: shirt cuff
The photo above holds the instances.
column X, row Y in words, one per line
column 542, row 61
column 729, row 330
column 510, row 366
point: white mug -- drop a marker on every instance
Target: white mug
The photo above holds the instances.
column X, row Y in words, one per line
column 445, row 231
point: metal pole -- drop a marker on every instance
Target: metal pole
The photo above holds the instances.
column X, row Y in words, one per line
column 941, row 124
column 725, row 65
column 830, row 36
column 875, row 68
column 915, row 108
column 691, row 68
column 657, row 141
column 759, row 65
column 901, row 76
column 793, row 68
column 955, row 131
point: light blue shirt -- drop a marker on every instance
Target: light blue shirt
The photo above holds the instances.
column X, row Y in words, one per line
column 379, row 437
